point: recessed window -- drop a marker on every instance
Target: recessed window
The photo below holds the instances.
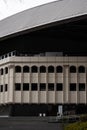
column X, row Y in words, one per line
column 59, row 87
column 6, row 70
column 6, row 56
column 42, row 87
column 14, row 53
column 34, row 69
column 18, row 69
column 34, row 87
column 72, row 69
column 25, row 86
column 6, row 87
column 1, row 88
column 81, row 87
column 25, row 69
column 73, row 87
column 81, row 69
column 9, row 54
column 59, row 69
column 51, row 69
column 17, row 86
column 2, row 71
column 42, row 69
column 3, row 57
column 50, row 87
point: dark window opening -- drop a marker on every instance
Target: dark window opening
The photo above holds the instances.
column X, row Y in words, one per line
column 34, row 69
column 50, row 87
column 25, row 69
column 25, row 86
column 59, row 87
column 6, row 87
column 72, row 69
column 6, row 56
column 1, row 71
column 73, row 87
column 1, row 88
column 59, row 69
column 81, row 69
column 50, row 69
column 6, row 70
column 13, row 53
column 17, row 69
column 42, row 69
column 2, row 57
column 42, row 87
column 34, row 87
column 81, row 87
column 10, row 54
column 17, row 86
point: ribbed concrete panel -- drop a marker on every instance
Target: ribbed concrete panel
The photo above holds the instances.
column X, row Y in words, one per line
column 43, row 15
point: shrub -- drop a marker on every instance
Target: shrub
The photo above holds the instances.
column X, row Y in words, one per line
column 77, row 126
column 83, row 118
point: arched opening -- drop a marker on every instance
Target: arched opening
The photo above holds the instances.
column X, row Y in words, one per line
column 6, row 70
column 25, row 69
column 81, row 69
column 1, row 71
column 59, row 69
column 42, row 69
column 18, row 69
column 51, row 69
column 34, row 69
column 72, row 69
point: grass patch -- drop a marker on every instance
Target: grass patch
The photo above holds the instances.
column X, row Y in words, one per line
column 81, row 125
column 77, row 126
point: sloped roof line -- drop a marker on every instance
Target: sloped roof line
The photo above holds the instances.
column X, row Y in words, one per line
column 42, row 15
column 11, row 7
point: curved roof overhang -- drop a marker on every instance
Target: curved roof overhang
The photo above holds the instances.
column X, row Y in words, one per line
column 44, row 15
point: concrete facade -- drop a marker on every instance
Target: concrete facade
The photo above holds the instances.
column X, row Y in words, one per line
column 43, row 80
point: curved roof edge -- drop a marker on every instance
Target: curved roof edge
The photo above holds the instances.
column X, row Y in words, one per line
column 40, row 16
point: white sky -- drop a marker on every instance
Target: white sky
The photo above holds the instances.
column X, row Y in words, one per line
column 10, row 7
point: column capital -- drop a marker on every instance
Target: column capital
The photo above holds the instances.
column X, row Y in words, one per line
column 66, row 65
column 11, row 66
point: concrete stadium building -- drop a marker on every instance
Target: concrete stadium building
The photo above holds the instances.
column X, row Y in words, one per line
column 42, row 82
column 34, row 84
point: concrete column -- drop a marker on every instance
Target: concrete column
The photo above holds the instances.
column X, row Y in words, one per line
column 55, row 83
column 66, row 84
column 30, row 87
column 38, row 84
column 86, row 85
column 47, row 84
column 22, row 79
column 3, row 85
column 77, row 86
column 0, row 86
column 11, row 84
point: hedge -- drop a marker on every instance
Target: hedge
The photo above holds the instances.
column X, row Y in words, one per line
column 77, row 126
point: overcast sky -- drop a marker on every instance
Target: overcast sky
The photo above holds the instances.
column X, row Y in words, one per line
column 9, row 7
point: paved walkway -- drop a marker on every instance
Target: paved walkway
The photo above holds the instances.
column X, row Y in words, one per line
column 23, row 123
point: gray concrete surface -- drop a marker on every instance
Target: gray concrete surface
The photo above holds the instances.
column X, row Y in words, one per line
column 28, row 123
